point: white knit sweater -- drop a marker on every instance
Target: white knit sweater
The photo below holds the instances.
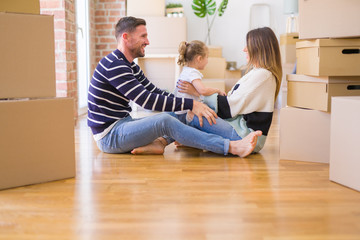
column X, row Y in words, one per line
column 249, row 105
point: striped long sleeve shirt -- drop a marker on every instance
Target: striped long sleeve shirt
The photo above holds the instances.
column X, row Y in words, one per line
column 114, row 84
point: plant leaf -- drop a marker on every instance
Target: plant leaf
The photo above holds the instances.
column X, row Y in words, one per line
column 203, row 7
column 222, row 7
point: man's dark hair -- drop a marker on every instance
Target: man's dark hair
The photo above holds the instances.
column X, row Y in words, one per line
column 128, row 24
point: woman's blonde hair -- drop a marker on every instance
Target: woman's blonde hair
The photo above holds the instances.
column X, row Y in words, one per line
column 264, row 52
column 188, row 51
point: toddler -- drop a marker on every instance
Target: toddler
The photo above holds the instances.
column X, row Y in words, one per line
column 194, row 57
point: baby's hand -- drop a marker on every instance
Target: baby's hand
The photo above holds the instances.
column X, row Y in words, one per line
column 222, row 93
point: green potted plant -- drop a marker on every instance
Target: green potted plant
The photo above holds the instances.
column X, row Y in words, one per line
column 174, row 9
column 207, row 8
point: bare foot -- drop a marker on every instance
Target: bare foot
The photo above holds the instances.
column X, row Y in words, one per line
column 177, row 144
column 245, row 146
column 157, row 147
column 189, row 116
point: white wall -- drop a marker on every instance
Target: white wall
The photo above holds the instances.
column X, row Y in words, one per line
column 229, row 31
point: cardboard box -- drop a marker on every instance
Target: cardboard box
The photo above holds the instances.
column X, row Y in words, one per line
column 328, row 57
column 215, row 83
column 281, row 101
column 27, row 59
column 304, row 135
column 215, row 68
column 161, row 69
column 141, row 8
column 231, row 78
column 20, row 6
column 233, row 74
column 215, row 51
column 163, row 36
column 37, row 141
column 288, row 47
column 316, row 92
column 344, row 142
column 329, row 19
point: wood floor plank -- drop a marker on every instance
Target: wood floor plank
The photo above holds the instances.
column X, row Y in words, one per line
column 184, row 194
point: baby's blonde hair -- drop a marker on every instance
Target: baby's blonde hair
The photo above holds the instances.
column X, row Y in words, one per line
column 188, row 51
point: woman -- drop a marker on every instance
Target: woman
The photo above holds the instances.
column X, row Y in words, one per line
column 249, row 105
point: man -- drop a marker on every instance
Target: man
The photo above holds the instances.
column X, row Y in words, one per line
column 117, row 80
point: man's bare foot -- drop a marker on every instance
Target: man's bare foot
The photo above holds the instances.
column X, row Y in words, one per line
column 157, row 147
column 245, row 146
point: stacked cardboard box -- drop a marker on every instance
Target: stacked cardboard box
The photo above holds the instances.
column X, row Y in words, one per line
column 328, row 60
column 329, row 19
column 344, row 141
column 288, row 59
column 288, row 47
column 154, row 8
column 214, row 71
column 37, row 129
column 20, row 6
column 160, row 61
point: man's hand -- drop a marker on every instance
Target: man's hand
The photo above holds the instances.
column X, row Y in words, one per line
column 186, row 87
column 202, row 110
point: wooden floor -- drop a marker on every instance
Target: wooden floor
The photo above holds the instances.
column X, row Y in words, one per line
column 184, row 194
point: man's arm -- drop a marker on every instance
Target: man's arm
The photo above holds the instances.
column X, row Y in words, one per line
column 139, row 74
column 130, row 87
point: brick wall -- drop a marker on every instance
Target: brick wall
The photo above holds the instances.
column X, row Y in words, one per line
column 65, row 45
column 103, row 15
column 107, row 13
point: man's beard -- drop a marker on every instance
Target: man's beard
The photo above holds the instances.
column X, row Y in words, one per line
column 138, row 52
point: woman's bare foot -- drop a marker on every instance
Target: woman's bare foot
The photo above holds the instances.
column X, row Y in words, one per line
column 157, row 147
column 189, row 116
column 177, row 144
column 245, row 146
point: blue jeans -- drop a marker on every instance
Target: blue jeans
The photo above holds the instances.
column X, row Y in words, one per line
column 221, row 128
column 130, row 133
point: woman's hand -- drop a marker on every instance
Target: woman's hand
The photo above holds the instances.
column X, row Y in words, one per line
column 202, row 110
column 186, row 87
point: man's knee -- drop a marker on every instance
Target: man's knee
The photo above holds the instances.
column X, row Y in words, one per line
column 164, row 119
column 168, row 118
